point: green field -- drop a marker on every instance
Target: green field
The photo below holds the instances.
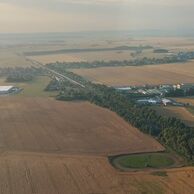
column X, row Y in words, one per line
column 33, row 88
column 140, row 161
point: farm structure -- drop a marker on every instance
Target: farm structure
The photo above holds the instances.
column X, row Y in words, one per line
column 4, row 90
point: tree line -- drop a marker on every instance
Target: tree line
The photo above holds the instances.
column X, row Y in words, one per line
column 19, row 74
column 176, row 58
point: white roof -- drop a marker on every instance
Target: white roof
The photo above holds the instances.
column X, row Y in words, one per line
column 124, row 88
column 5, row 88
column 164, row 100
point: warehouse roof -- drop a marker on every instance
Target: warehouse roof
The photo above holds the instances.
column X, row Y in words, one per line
column 5, row 88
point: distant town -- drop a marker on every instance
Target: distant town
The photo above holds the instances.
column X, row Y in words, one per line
column 159, row 94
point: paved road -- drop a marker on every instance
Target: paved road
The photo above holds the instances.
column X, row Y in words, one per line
column 58, row 75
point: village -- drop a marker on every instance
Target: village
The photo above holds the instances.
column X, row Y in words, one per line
column 159, row 94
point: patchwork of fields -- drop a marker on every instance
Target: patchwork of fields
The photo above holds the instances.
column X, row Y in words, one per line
column 53, row 147
column 50, row 147
column 150, row 74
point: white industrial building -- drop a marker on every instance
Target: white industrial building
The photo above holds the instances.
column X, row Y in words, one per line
column 124, row 88
column 166, row 101
column 6, row 89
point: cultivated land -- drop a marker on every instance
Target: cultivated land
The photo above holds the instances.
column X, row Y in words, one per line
column 150, row 74
column 179, row 112
column 95, row 56
column 85, row 56
column 44, row 173
column 52, row 147
column 46, row 125
column 13, row 55
column 12, row 59
column 49, row 146
column 189, row 100
column 174, row 44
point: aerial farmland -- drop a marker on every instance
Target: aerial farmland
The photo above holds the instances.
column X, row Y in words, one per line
column 52, row 144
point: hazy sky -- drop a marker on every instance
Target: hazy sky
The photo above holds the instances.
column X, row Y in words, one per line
column 91, row 15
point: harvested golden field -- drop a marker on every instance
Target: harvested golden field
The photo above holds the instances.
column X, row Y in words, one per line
column 50, row 147
column 175, row 44
column 11, row 59
column 172, row 43
column 25, row 173
column 189, row 100
column 150, row 74
column 179, row 181
column 84, row 56
column 46, row 125
column 178, row 112
column 13, row 56
column 59, row 57
column 28, row 173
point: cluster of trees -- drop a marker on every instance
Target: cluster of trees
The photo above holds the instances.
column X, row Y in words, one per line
column 181, row 92
column 161, row 51
column 180, row 57
column 68, row 91
column 171, row 131
column 77, row 50
column 54, row 85
column 72, row 95
column 19, row 74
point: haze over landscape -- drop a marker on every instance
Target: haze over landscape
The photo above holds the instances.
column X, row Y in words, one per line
column 96, row 97
column 95, row 15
